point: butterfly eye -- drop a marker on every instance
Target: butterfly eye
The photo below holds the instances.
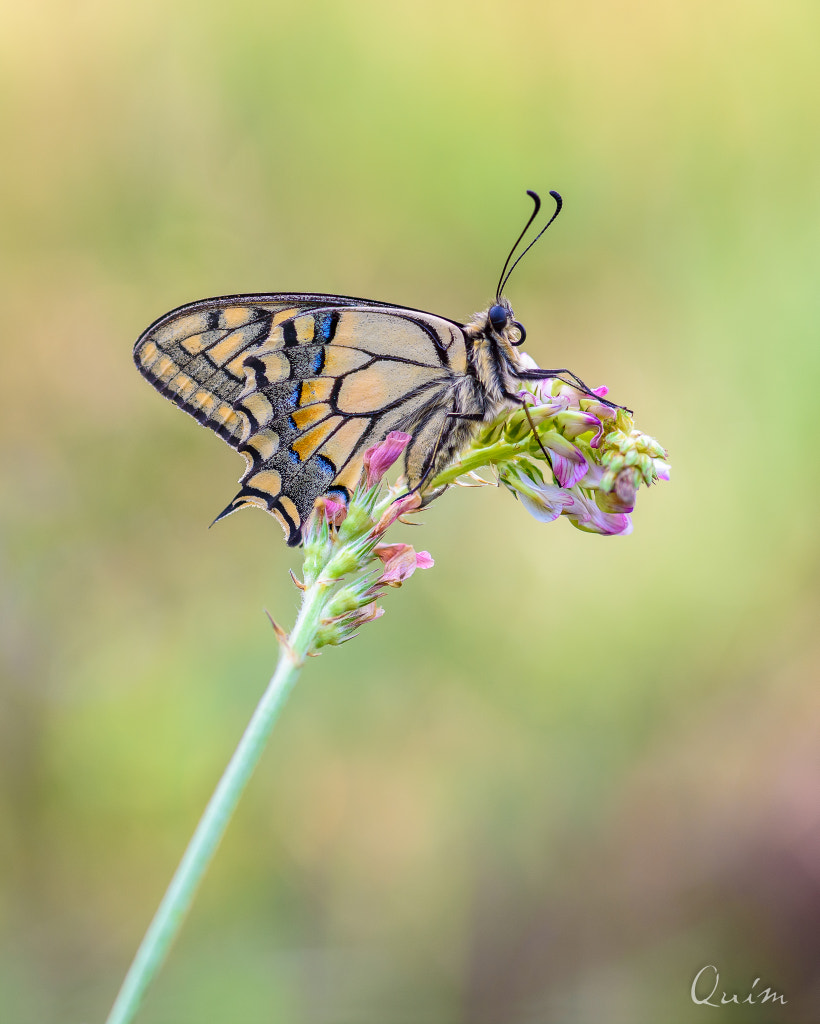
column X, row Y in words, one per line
column 522, row 334
column 498, row 317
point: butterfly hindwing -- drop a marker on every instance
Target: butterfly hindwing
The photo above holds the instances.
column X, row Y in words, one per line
column 303, row 384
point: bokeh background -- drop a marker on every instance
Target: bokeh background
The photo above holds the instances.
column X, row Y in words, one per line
column 564, row 772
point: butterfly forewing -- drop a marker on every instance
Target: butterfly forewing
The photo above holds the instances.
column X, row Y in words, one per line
column 303, row 384
column 194, row 354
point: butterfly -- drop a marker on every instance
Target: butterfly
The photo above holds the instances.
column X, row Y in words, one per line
column 301, row 384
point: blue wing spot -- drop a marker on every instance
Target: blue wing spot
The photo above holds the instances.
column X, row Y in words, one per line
column 325, row 465
column 318, row 361
column 339, row 494
column 294, row 457
column 326, row 324
column 322, row 327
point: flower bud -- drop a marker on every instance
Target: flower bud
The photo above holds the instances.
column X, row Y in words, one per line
column 379, row 458
column 406, row 503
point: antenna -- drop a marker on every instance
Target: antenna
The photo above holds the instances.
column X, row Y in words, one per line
column 537, row 201
column 559, row 202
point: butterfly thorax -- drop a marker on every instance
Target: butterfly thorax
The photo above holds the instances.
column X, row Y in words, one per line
column 494, row 358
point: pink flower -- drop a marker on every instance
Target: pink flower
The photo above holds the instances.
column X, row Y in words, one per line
column 568, row 464
column 379, row 458
column 400, row 562
column 573, row 423
column 575, row 411
column 575, row 398
column 587, row 516
column 335, row 512
column 397, row 508
column 546, row 502
column 545, row 405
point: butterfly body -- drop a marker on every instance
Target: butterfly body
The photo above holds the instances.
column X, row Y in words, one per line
column 301, row 384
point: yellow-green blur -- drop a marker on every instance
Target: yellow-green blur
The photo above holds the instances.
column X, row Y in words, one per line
column 564, row 772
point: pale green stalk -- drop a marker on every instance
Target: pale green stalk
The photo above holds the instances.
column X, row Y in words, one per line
column 213, row 823
column 321, row 578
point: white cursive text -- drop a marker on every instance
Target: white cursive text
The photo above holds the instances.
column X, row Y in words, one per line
column 762, row 995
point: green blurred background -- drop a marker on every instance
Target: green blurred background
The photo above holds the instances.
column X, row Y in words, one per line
column 564, row 772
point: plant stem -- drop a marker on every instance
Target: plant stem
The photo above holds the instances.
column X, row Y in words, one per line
column 213, row 823
column 478, row 457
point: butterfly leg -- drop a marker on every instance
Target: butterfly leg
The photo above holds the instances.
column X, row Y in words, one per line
column 430, row 463
column 526, row 406
column 450, row 437
column 539, row 374
column 574, row 382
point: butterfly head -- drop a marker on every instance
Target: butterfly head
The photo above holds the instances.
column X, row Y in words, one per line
column 501, row 324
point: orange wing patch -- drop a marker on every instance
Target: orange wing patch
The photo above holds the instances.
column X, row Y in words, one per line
column 230, row 346
column 193, row 345
column 237, row 316
column 341, row 446
column 180, row 328
column 349, row 476
column 267, row 480
column 305, row 328
column 308, row 415
column 318, row 389
column 284, row 314
column 312, row 439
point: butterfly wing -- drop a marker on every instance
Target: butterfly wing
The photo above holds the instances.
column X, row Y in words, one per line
column 302, row 384
column 194, row 354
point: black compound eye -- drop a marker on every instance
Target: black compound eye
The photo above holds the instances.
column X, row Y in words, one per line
column 498, row 317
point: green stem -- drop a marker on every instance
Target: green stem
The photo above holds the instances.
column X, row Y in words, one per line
column 479, row 457
column 213, row 823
